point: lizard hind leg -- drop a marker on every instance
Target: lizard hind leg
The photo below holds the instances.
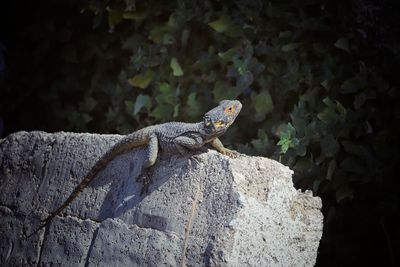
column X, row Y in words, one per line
column 151, row 156
column 152, row 152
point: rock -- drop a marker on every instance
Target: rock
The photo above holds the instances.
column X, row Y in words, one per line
column 211, row 211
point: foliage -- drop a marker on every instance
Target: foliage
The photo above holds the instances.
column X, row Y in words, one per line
column 311, row 100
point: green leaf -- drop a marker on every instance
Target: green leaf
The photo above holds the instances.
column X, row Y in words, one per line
column 194, row 106
column 165, row 88
column 135, row 15
column 263, row 104
column 285, row 144
column 244, row 81
column 352, row 164
column 304, row 165
column 301, row 149
column 328, row 116
column 344, row 193
column 327, row 101
column 129, row 106
column 223, row 90
column 161, row 34
column 114, row 17
column 357, row 149
column 311, row 131
column 176, row 110
column 176, row 68
column 167, row 95
column 299, row 123
column 173, row 21
column 162, row 112
column 277, row 67
column 341, row 109
column 168, row 39
column 142, row 80
column 287, row 135
column 329, row 145
column 111, row 115
column 353, row 85
column 261, row 143
column 245, row 149
column 331, row 169
column 362, row 97
column 316, row 185
column 226, row 26
column 185, row 37
column 326, row 84
column 286, row 131
column 142, row 101
column 343, row 43
column 311, row 97
column 229, row 55
column 291, row 47
column 258, row 145
column 291, row 130
column 223, row 24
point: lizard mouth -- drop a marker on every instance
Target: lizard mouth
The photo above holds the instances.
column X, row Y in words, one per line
column 216, row 127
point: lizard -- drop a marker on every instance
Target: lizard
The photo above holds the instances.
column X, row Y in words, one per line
column 170, row 137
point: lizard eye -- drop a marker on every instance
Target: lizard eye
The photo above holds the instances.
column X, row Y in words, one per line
column 229, row 109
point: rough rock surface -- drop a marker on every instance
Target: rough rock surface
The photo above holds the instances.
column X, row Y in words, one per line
column 213, row 211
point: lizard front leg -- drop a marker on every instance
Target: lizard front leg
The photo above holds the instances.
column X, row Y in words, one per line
column 184, row 143
column 217, row 144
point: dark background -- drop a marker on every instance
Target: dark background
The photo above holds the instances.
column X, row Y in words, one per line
column 318, row 79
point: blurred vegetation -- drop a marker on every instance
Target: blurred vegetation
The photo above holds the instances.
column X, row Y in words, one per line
column 311, row 98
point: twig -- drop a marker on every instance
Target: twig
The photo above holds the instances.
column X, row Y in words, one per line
column 189, row 226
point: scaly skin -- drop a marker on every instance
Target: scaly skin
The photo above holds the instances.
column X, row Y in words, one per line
column 170, row 137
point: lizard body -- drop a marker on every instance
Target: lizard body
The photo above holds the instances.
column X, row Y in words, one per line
column 170, row 137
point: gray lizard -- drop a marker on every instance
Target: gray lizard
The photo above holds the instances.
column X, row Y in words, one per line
column 170, row 137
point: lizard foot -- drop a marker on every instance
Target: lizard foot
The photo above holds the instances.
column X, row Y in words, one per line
column 145, row 180
column 192, row 159
column 230, row 153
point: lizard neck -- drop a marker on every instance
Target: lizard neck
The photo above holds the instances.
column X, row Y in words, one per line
column 207, row 132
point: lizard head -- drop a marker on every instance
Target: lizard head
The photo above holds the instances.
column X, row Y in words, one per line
column 218, row 120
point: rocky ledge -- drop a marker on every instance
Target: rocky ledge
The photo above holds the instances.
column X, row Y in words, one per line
column 212, row 211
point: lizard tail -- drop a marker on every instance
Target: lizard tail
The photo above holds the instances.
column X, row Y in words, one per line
column 124, row 145
column 88, row 178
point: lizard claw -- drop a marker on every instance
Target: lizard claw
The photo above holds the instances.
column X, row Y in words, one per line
column 193, row 158
column 145, row 180
column 230, row 153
